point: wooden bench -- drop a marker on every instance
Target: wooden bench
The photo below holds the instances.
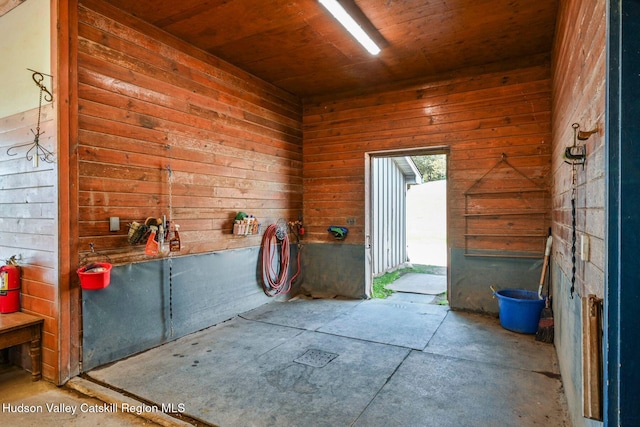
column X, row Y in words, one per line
column 19, row 328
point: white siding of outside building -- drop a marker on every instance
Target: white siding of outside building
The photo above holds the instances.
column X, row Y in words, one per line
column 389, row 235
column 427, row 223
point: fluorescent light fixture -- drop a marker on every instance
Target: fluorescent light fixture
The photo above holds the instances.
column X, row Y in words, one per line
column 351, row 25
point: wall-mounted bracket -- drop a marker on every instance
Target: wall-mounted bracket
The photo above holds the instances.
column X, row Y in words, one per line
column 577, row 154
column 583, row 135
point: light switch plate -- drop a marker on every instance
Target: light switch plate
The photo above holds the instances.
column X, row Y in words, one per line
column 114, row 223
column 584, row 247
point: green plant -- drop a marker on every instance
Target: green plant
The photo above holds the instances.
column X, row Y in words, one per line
column 432, row 167
column 380, row 283
column 428, row 269
column 441, row 299
column 380, row 289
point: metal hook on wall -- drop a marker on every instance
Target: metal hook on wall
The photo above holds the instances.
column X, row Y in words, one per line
column 36, row 152
column 576, row 154
column 583, row 135
column 38, row 77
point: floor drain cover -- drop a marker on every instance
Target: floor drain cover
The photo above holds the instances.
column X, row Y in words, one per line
column 316, row 358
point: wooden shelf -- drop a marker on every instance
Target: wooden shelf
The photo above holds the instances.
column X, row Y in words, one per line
column 505, row 211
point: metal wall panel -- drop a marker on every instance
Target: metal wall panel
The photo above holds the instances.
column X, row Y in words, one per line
column 333, row 269
column 389, row 229
column 145, row 306
column 473, row 276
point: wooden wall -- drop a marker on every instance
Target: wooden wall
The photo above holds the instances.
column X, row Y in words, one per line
column 579, row 94
column 579, row 73
column 29, row 223
column 478, row 117
column 149, row 103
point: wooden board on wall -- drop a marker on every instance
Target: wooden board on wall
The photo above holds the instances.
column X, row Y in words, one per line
column 165, row 129
column 579, row 88
column 478, row 118
column 28, row 221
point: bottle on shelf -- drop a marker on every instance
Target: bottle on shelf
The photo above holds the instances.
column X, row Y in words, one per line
column 174, row 242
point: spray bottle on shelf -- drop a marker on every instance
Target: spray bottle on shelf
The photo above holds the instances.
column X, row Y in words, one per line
column 174, row 243
column 162, row 247
column 151, row 248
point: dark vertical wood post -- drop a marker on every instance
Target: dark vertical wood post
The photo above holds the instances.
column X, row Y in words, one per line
column 622, row 367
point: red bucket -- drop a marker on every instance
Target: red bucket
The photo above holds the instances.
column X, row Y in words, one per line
column 95, row 276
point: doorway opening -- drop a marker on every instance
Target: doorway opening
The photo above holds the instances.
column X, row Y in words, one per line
column 406, row 235
column 427, row 212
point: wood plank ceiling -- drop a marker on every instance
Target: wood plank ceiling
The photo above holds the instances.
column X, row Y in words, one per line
column 298, row 46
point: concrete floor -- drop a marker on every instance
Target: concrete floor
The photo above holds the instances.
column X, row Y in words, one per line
column 396, row 362
column 37, row 404
column 418, row 283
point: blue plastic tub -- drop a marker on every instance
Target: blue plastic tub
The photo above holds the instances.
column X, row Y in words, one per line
column 519, row 310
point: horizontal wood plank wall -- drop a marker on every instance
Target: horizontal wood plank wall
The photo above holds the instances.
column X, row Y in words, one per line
column 149, row 102
column 28, row 222
column 478, row 117
column 579, row 97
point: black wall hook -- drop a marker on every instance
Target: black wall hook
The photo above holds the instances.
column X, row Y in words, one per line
column 576, row 154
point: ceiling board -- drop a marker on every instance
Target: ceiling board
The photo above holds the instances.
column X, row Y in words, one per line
column 298, row 46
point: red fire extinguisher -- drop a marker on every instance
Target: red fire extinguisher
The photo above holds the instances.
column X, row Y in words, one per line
column 10, row 287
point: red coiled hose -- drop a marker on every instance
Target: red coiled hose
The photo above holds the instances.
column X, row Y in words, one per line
column 274, row 281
